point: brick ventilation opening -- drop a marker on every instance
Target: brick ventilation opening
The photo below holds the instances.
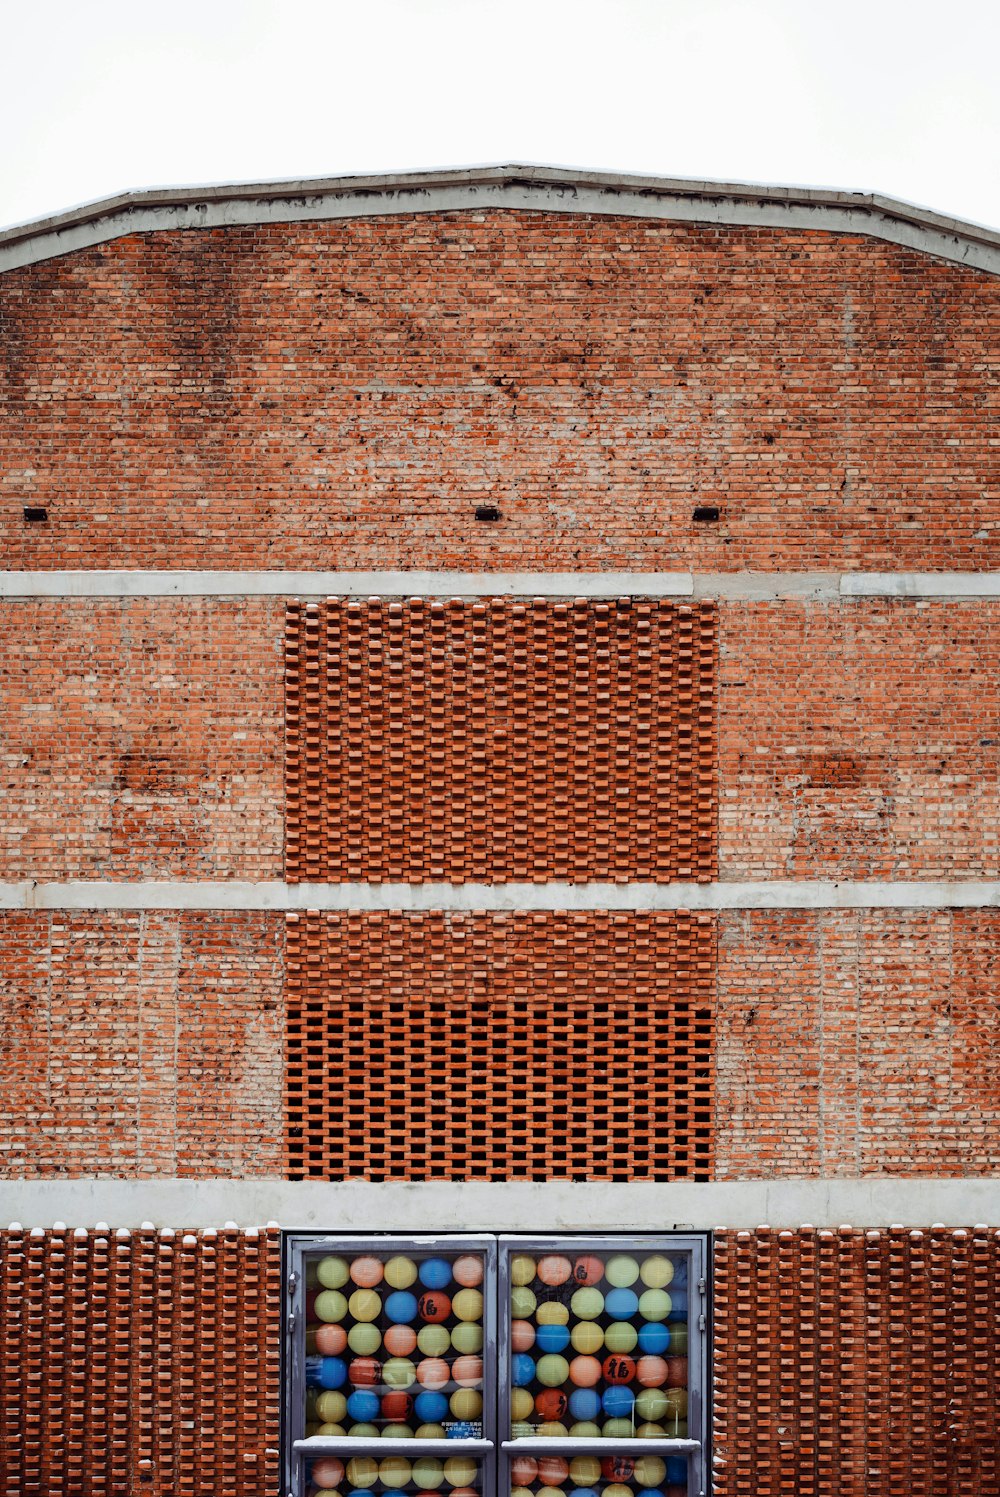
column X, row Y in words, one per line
column 497, row 1047
column 492, row 741
column 144, row 1362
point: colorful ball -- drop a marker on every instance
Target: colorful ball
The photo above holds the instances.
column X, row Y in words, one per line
column 468, row 1305
column 621, row 1336
column 677, row 1372
column 584, row 1403
column 430, row 1407
column 328, row 1471
column 396, row 1406
column 586, row 1429
column 394, row 1471
column 522, row 1303
column 552, row 1338
column 364, row 1339
column 618, row 1369
column 522, row 1269
column 400, row 1340
column 434, row 1273
column 468, row 1270
column 400, row 1272
column 656, row 1273
column 551, row 1404
column 521, row 1403
column 651, row 1372
column 330, row 1305
column 401, row 1307
column 654, row 1338
column 587, row 1303
column 466, row 1403
column 362, row 1471
column 433, row 1340
column 552, row 1469
column 522, row 1335
column 617, row 1429
column 428, row 1473
column 399, row 1372
column 550, row 1492
column 435, row 1307
column 587, row 1336
column 367, row 1272
column 655, row 1304
column 332, row 1372
column 460, row 1471
column 551, row 1312
column 617, row 1489
column 430, row 1432
column 333, row 1273
column 622, row 1304
column 585, row 1372
column 363, row 1405
column 552, row 1429
column 621, row 1270
column 585, row 1469
column 330, row 1340
column 617, row 1467
column 552, row 1370
column 365, row 1304
column 651, row 1403
column 468, row 1371
column 331, row 1407
column 588, row 1270
column 523, row 1470
column 522, row 1369
column 433, row 1372
column 467, row 1336
column 650, row 1470
column 364, row 1372
column 618, row 1402
column 553, row 1269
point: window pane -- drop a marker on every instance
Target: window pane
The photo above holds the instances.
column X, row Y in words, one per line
column 592, row 1476
column 599, row 1345
column 395, row 1476
column 394, row 1345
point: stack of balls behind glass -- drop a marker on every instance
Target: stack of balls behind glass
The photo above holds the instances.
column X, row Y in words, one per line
column 599, row 1346
column 394, row 1351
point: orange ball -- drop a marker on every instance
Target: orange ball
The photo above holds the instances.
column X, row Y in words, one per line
column 468, row 1371
column 330, row 1340
column 617, row 1468
column 552, row 1470
column 399, row 1340
column 434, row 1307
column 433, row 1372
column 467, row 1271
column 651, row 1371
column 522, row 1335
column 367, row 1272
column 585, row 1372
column 364, row 1372
column 523, row 1470
column 677, row 1372
column 618, row 1369
column 588, row 1270
column 328, row 1472
column 554, row 1269
column 551, row 1404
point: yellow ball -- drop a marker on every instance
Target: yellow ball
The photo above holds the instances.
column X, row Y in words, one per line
column 552, row 1430
column 333, row 1273
column 656, row 1272
column 466, row 1403
column 365, row 1304
column 650, row 1470
column 617, row 1489
column 585, row 1430
column 585, row 1469
column 587, row 1337
column 522, row 1269
column 651, row 1432
column 362, row 1471
column 551, row 1312
column 521, row 1403
column 459, row 1471
column 394, row 1471
column 430, row 1432
column 400, row 1273
column 467, row 1304
column 331, row 1407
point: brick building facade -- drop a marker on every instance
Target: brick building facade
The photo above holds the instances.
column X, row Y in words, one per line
column 500, row 734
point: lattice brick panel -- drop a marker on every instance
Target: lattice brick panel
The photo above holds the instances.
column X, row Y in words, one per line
column 144, row 1363
column 533, row 1046
column 861, row 1363
column 500, row 740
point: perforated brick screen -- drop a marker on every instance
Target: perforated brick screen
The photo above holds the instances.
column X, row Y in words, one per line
column 499, row 740
column 532, row 1046
column 139, row 1363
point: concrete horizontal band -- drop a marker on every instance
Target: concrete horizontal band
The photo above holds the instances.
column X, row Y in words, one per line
column 519, row 187
column 446, row 584
column 552, row 1206
column 763, row 894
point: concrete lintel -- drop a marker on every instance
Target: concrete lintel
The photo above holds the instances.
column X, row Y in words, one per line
column 763, row 894
column 920, row 585
column 552, row 1206
column 829, row 586
column 531, row 188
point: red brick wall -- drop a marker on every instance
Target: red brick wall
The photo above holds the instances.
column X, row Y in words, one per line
column 342, row 394
column 141, row 1044
column 509, row 1046
column 859, row 740
column 856, row 1363
column 141, row 739
column 144, row 1363
column 858, row 1043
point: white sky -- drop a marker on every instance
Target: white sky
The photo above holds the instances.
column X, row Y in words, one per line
column 900, row 96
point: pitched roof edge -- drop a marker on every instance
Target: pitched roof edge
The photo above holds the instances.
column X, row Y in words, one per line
column 541, row 188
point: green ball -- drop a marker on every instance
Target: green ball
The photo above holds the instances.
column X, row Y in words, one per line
column 400, row 1273
column 552, row 1370
column 364, row 1339
column 428, row 1473
column 333, row 1273
column 651, row 1403
column 585, row 1430
column 364, row 1432
column 621, row 1336
column 655, row 1304
column 331, row 1306
column 656, row 1273
column 331, row 1406
column 466, row 1337
column 397, row 1432
column 617, row 1429
column 430, row 1432
column 522, row 1302
column 433, row 1340
column 621, row 1271
column 587, row 1303
column 399, row 1372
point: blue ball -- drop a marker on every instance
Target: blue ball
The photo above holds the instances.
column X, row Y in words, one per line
column 401, row 1307
column 331, row 1372
column 461, row 1429
column 398, row 1492
column 652, row 1491
column 522, row 1369
column 430, row 1407
column 654, row 1338
column 552, row 1337
column 583, row 1492
column 584, row 1403
column 621, row 1304
column 618, row 1402
column 677, row 1471
column 434, row 1273
column 363, row 1405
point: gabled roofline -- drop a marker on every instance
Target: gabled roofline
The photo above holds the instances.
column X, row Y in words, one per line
column 534, row 188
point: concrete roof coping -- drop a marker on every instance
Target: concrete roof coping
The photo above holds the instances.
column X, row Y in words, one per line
column 542, row 188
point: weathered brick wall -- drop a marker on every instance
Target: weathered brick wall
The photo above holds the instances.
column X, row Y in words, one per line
column 141, row 1044
column 342, row 394
column 858, row 1042
column 859, row 740
column 857, row 1363
column 141, row 738
column 139, row 1363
